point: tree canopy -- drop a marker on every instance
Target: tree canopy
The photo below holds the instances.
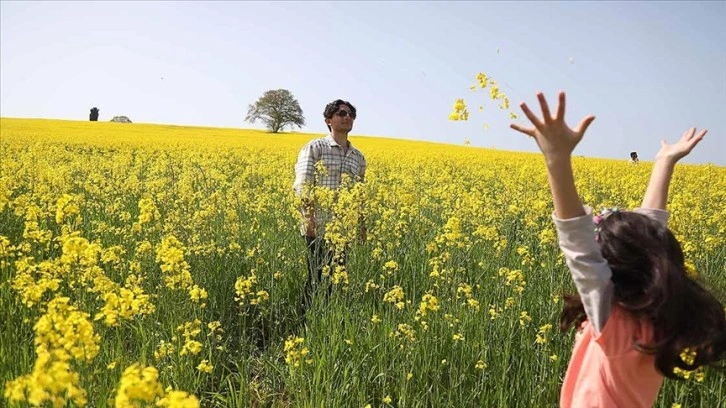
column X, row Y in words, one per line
column 277, row 109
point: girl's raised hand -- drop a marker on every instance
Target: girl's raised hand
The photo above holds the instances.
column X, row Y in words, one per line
column 681, row 148
column 554, row 138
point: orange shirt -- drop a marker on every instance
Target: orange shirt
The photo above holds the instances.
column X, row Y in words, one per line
column 607, row 371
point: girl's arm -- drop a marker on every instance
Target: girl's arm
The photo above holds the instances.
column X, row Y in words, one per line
column 562, row 184
column 575, row 226
column 557, row 141
column 656, row 195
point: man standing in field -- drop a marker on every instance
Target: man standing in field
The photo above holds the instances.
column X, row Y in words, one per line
column 337, row 155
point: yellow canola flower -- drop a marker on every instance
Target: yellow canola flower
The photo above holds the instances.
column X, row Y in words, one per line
column 79, row 251
column 67, row 209
column 138, row 384
column 482, row 79
column 32, row 282
column 178, row 399
column 65, row 329
column 395, row 296
column 205, row 366
column 164, row 349
column 191, row 347
column 124, row 305
column 244, row 288
column 542, row 334
column 295, row 352
column 459, row 111
column 691, row 270
column 340, row 275
column 197, row 294
column 524, row 318
column 52, row 380
column 170, row 256
column 428, row 303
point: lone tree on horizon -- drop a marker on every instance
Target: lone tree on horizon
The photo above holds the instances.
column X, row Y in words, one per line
column 276, row 109
column 94, row 114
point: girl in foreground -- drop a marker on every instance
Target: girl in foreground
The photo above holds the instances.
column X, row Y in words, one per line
column 638, row 314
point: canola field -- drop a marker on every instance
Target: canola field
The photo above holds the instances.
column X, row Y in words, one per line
column 150, row 265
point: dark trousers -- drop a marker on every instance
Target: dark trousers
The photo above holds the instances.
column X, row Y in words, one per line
column 319, row 256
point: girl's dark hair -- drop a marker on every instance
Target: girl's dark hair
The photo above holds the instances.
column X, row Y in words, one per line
column 333, row 107
column 650, row 282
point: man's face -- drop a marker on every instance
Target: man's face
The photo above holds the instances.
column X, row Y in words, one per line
column 342, row 121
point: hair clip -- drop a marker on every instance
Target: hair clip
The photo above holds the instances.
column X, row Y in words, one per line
column 599, row 218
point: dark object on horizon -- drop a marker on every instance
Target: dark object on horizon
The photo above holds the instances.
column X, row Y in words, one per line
column 276, row 109
column 94, row 114
column 634, row 157
column 121, row 119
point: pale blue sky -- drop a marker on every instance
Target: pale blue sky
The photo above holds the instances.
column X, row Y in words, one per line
column 647, row 70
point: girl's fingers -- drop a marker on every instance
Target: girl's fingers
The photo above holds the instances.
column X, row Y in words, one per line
column 695, row 140
column 545, row 108
column 526, row 131
column 584, row 124
column 532, row 118
column 561, row 108
column 688, row 134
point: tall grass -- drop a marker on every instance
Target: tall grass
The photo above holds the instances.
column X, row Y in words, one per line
column 470, row 228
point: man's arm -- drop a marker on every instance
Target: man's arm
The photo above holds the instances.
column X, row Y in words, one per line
column 304, row 181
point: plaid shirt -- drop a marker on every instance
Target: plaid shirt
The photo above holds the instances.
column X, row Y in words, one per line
column 327, row 150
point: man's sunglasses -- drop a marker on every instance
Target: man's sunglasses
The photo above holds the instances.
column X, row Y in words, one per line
column 343, row 113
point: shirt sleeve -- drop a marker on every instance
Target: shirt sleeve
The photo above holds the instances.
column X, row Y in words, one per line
column 304, row 169
column 590, row 271
column 363, row 167
column 659, row 215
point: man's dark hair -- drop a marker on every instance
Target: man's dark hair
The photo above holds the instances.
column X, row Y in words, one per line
column 333, row 107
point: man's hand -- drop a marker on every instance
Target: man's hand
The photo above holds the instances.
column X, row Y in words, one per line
column 311, row 227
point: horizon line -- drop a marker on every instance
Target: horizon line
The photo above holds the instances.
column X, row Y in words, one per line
column 299, row 133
